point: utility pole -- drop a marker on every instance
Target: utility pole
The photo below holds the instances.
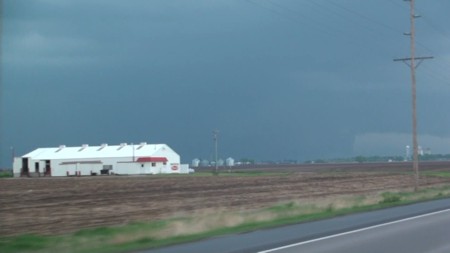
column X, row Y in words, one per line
column 1, row 76
column 13, row 153
column 215, row 137
column 411, row 62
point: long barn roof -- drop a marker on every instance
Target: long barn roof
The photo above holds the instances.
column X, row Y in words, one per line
column 103, row 151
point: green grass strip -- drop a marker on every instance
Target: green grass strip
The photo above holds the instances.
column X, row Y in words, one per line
column 6, row 174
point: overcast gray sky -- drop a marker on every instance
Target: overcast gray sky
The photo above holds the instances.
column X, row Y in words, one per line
column 280, row 79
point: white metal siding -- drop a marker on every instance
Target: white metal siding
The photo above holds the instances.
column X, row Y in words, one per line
column 90, row 159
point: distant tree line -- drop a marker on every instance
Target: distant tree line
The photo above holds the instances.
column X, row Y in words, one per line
column 434, row 157
column 363, row 159
column 357, row 159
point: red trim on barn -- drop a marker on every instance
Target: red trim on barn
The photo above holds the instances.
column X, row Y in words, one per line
column 152, row 159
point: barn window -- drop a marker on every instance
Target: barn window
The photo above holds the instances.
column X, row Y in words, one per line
column 153, row 164
column 142, row 165
column 164, row 163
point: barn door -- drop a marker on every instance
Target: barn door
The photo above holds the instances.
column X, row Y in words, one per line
column 25, row 170
column 47, row 171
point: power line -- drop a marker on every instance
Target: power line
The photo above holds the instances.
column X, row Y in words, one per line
column 437, row 76
column 319, row 31
column 323, row 28
column 440, row 31
column 394, row 2
column 362, row 16
column 296, row 16
column 376, row 22
column 430, row 23
column 338, row 10
column 326, row 8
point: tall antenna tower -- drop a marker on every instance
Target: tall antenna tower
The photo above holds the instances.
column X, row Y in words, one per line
column 411, row 62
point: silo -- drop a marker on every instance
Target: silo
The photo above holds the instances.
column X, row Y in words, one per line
column 195, row 162
column 229, row 162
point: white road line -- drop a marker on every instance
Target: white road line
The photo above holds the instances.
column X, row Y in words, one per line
column 353, row 231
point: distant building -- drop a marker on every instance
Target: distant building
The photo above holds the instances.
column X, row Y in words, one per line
column 420, row 150
column 195, row 162
column 229, row 161
column 204, row 163
column 88, row 160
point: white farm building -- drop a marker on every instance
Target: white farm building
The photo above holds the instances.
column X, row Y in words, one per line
column 85, row 160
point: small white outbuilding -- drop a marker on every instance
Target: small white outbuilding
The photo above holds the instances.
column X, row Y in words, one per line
column 195, row 162
column 123, row 159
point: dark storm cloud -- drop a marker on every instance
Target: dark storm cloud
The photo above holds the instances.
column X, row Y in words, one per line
column 280, row 80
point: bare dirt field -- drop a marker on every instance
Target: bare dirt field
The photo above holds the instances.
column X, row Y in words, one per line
column 62, row 205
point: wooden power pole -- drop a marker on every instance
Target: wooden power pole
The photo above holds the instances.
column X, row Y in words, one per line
column 215, row 137
column 413, row 62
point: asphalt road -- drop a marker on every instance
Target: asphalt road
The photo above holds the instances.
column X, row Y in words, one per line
column 426, row 234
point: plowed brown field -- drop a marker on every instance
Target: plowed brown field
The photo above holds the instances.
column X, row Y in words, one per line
column 61, row 205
